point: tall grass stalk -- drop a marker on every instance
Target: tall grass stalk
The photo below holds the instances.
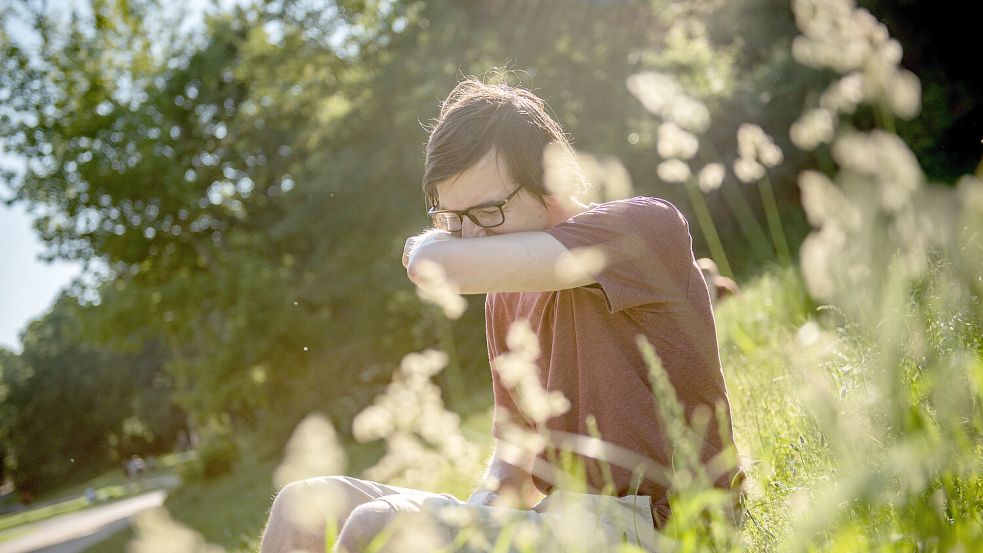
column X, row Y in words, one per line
column 861, row 418
column 747, row 221
column 774, row 220
column 708, row 228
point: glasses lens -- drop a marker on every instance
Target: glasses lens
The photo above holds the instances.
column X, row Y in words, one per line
column 446, row 221
column 488, row 216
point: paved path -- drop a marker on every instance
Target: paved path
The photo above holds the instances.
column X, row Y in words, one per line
column 74, row 532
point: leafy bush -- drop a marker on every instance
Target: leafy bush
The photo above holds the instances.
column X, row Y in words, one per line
column 217, row 456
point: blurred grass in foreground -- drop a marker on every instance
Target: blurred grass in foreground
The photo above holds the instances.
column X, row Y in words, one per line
column 790, row 460
column 230, row 511
column 859, row 416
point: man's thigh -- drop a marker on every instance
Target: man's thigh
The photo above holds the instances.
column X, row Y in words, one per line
column 564, row 521
column 308, row 503
column 305, row 512
column 368, row 490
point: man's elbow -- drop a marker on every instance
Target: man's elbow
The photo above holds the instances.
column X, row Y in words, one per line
column 412, row 272
column 425, row 271
column 422, row 270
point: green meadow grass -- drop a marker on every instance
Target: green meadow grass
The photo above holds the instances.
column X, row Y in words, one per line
column 42, row 513
column 783, row 452
column 787, row 455
column 228, row 511
column 754, row 330
column 231, row 511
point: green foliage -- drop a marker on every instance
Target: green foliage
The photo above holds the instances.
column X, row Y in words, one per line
column 217, row 455
column 933, row 44
column 61, row 374
column 246, row 189
column 223, row 178
column 248, row 186
column 228, row 510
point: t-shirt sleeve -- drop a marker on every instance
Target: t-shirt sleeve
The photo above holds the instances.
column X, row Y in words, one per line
column 645, row 248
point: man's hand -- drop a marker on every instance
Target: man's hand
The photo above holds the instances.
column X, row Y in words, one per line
column 414, row 242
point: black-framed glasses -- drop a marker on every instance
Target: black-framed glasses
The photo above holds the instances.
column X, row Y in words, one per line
column 486, row 215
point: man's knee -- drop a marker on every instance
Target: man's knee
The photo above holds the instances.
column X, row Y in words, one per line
column 396, row 524
column 302, row 510
column 366, row 523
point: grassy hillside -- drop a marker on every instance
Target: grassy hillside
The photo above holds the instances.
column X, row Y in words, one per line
column 781, row 354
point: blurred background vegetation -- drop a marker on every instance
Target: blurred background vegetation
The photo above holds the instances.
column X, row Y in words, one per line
column 240, row 191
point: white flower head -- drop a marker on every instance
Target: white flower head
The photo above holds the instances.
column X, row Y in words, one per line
column 674, row 142
column 844, row 95
column 770, row 155
column 689, row 113
column 663, row 96
column 748, row 170
column 578, row 263
column 581, row 175
column 655, row 90
column 426, row 363
column 373, row 423
column 886, row 160
column 822, row 200
column 836, row 34
column 313, row 450
column 422, row 437
column 710, row 177
column 521, row 340
column 520, row 373
column 674, row 170
column 748, row 138
column 903, row 93
column 814, row 127
column 434, row 287
column 562, row 175
column 753, row 143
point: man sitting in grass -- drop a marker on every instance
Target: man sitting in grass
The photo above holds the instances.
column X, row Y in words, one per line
column 499, row 231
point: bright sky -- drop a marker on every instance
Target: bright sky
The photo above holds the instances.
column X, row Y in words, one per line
column 28, row 286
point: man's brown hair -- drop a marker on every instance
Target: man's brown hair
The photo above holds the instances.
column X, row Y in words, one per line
column 477, row 117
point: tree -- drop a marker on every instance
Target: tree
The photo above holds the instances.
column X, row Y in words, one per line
column 248, row 186
column 72, row 405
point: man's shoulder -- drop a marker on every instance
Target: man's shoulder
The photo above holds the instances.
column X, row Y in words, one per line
column 638, row 210
column 633, row 203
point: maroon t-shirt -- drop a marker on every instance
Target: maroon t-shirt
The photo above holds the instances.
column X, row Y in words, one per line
column 650, row 285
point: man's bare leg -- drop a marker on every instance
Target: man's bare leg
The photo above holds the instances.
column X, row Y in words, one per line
column 405, row 523
column 357, row 510
column 301, row 511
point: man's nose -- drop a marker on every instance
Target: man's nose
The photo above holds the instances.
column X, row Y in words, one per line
column 471, row 230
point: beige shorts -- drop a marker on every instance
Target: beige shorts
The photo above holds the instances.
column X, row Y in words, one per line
column 563, row 521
